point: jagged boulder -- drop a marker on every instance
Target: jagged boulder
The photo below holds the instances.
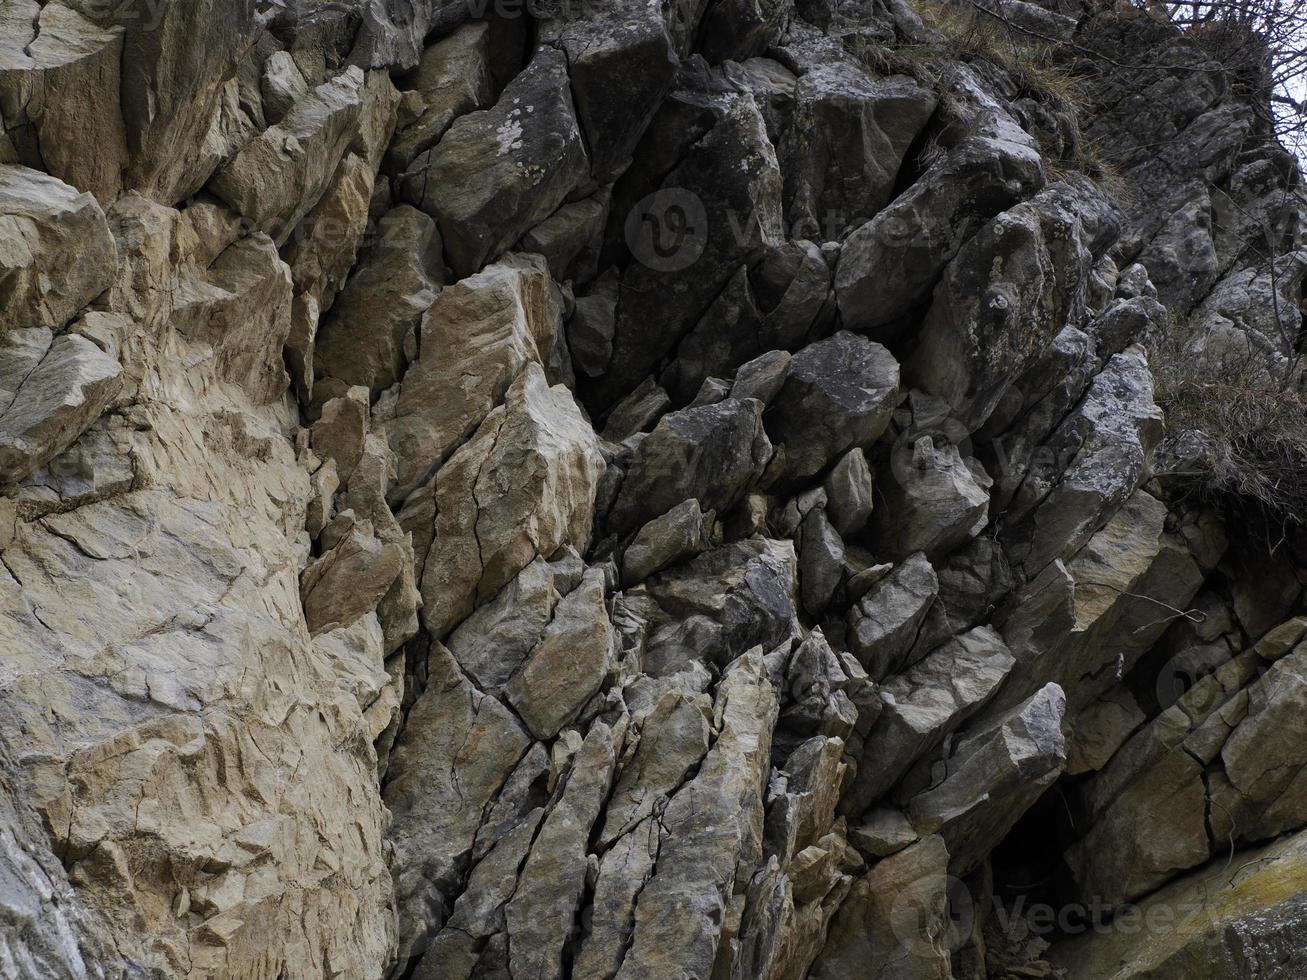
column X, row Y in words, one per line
column 497, row 172
column 710, row 454
column 275, row 179
column 839, row 394
column 63, row 390
column 476, row 339
column 523, row 486
column 58, row 254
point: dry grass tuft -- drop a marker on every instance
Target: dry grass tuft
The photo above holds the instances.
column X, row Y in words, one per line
column 1254, row 424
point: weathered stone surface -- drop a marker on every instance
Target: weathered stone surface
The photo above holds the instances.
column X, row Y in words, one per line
column 821, row 561
column 849, row 137
column 709, row 213
column 569, row 664
column 993, row 776
column 322, row 250
column 540, row 917
column 55, row 401
column 894, row 259
column 523, row 486
column 681, row 533
column 883, row 625
column 850, row 493
column 57, row 253
column 1003, row 299
column 455, row 753
column 838, row 395
column 477, row 338
column 500, row 171
column 277, row 178
column 1208, row 923
column 934, row 501
column 924, row 706
column 1094, row 461
column 59, row 89
column 713, row 828
column 362, row 339
column 452, row 78
column 616, row 47
column 241, row 309
column 882, row 832
column 349, row 580
column 679, row 656
column 894, row 924
column 710, row 454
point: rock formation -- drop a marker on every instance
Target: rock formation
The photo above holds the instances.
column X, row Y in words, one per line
column 633, row 490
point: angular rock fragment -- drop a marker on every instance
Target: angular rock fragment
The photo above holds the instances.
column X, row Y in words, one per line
column 849, row 493
column 674, row 737
column 241, row 308
column 475, row 341
column 275, row 179
column 895, row 920
column 523, row 486
column 539, row 918
column 924, row 706
column 993, row 776
column 716, row 209
column 452, row 78
column 894, row 259
column 713, row 826
column 54, row 403
column 934, row 501
column 59, row 95
column 1096, row 459
column 850, row 134
column 710, row 454
column 681, row 533
column 569, row 664
column 498, row 172
column 615, row 47
column 362, row 339
column 456, row 750
column 884, row 624
column 1003, row 299
column 348, row 581
column 821, row 561
column 57, row 254
column 838, row 395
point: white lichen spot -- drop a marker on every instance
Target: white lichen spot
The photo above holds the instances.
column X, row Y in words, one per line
column 509, row 134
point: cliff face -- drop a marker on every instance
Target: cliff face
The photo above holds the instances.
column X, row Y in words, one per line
column 639, row 490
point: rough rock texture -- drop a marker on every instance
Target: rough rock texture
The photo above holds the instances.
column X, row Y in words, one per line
column 637, row 490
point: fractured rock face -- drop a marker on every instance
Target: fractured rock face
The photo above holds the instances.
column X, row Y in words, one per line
column 710, row 454
column 839, row 394
column 894, row 259
column 56, row 400
column 523, row 486
column 477, row 337
column 924, row 706
column 453, row 77
column 934, row 501
column 497, row 172
column 992, row 777
column 362, row 339
column 610, row 604
column 59, row 88
column 851, row 133
column 57, row 253
column 276, row 178
column 1003, row 299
